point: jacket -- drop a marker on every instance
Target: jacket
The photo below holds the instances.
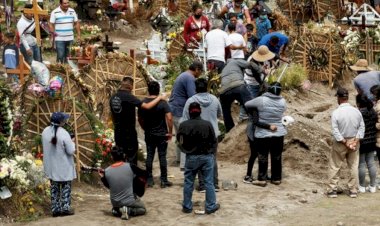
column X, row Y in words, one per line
column 370, row 119
column 377, row 109
column 232, row 74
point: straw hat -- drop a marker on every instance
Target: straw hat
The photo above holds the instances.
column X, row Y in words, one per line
column 262, row 54
column 361, row 65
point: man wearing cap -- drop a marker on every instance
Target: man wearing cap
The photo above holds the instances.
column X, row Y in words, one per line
column 123, row 109
column 58, row 157
column 347, row 128
column 196, row 137
column 366, row 78
column 263, row 25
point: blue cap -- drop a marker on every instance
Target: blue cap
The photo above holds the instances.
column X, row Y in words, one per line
column 58, row 117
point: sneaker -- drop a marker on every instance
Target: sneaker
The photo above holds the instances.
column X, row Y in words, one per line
column 217, row 206
column 362, row 189
column 115, row 212
column 261, row 183
column 150, row 182
column 276, row 182
column 67, row 212
column 353, row 194
column 201, row 189
column 186, row 210
column 371, row 189
column 332, row 194
column 248, row 180
column 165, row 184
column 216, row 187
column 124, row 213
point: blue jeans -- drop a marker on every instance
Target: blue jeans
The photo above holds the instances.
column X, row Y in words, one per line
column 367, row 160
column 204, row 163
column 153, row 142
column 36, row 54
column 254, row 91
column 62, row 48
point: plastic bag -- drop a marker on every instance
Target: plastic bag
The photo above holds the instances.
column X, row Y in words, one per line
column 40, row 72
column 36, row 89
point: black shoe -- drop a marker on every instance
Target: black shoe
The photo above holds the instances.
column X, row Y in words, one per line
column 185, row 210
column 216, row 187
column 150, row 182
column 214, row 210
column 67, row 213
column 116, row 212
column 248, row 179
column 165, row 184
column 56, row 214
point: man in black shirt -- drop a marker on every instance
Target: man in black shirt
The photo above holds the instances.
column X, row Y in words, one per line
column 157, row 124
column 123, row 108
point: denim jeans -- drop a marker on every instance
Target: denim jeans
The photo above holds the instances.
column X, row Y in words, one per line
column 36, row 54
column 161, row 144
column 254, row 91
column 62, row 48
column 201, row 179
column 205, row 163
column 180, row 156
column 60, row 193
column 367, row 159
column 240, row 94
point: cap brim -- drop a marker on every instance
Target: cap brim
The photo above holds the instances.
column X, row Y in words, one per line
column 356, row 68
column 262, row 58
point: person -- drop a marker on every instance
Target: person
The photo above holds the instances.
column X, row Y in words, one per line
column 367, row 144
column 366, row 78
column 192, row 31
column 238, row 45
column 183, row 89
column 377, row 5
column 211, row 111
column 10, row 54
column 347, row 128
column 277, row 43
column 28, row 43
column 375, row 90
column 270, row 107
column 251, row 41
column 216, row 43
column 238, row 7
column 263, row 25
column 240, row 28
column 118, row 177
column 123, row 109
column 62, row 21
column 233, row 88
column 197, row 138
column 120, row 6
column 58, row 158
column 158, row 125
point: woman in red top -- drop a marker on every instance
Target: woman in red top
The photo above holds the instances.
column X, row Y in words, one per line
column 194, row 25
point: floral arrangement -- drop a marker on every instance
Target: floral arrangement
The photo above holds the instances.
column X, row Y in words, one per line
column 90, row 29
column 104, row 143
column 352, row 40
column 6, row 120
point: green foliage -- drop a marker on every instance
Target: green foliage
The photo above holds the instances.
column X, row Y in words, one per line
column 293, row 77
column 178, row 65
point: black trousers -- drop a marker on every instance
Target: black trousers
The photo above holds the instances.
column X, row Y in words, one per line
column 274, row 146
column 253, row 157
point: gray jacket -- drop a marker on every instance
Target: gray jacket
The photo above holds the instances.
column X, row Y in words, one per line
column 232, row 74
column 271, row 109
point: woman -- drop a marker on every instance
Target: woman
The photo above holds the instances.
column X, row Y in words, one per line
column 58, row 158
column 367, row 144
column 375, row 90
column 238, row 7
column 194, row 25
column 271, row 107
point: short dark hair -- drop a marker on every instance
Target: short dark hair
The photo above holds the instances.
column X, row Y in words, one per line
column 128, row 79
column 10, row 35
column 153, row 88
column 196, row 65
column 201, row 85
column 249, row 27
column 231, row 27
column 230, row 15
column 196, row 6
column 28, row 6
column 118, row 154
column 274, row 39
column 375, row 90
column 362, row 101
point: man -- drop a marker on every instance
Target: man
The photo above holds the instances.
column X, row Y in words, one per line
column 62, row 21
column 251, row 41
column 157, row 124
column 197, row 138
column 211, row 111
column 238, row 45
column 347, row 128
column 216, row 42
column 183, row 89
column 233, row 88
column 366, row 78
column 277, row 43
column 28, row 43
column 263, row 25
column 119, row 179
column 123, row 108
column 240, row 28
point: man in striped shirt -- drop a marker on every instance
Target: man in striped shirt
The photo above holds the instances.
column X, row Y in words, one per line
column 62, row 21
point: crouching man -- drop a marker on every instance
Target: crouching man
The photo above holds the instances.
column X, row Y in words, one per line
column 119, row 179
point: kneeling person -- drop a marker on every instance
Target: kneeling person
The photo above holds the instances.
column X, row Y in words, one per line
column 119, row 179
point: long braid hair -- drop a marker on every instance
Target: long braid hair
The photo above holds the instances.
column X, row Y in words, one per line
column 55, row 127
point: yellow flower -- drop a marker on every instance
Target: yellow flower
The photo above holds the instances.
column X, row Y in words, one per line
column 31, row 210
column 30, row 203
column 38, row 162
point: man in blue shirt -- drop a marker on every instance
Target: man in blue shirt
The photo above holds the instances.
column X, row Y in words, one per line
column 276, row 42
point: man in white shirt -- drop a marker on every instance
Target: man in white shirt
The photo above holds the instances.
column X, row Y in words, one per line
column 62, row 21
column 28, row 43
column 238, row 43
column 216, row 43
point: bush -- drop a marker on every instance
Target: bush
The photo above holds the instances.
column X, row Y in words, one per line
column 293, row 77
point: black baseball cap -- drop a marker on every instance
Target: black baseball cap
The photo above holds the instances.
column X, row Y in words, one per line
column 341, row 92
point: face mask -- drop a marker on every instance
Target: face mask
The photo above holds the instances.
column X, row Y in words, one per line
column 263, row 17
column 197, row 16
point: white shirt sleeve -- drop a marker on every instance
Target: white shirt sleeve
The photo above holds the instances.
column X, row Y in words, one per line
column 20, row 29
column 52, row 17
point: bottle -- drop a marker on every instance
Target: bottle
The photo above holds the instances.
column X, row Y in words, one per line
column 229, row 185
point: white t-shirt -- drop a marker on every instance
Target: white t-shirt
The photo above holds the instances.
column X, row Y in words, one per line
column 64, row 23
column 216, row 40
column 237, row 40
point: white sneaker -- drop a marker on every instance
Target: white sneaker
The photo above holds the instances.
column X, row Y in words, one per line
column 124, row 213
column 372, row 189
column 361, row 189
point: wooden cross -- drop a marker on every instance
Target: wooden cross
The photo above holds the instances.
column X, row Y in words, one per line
column 22, row 70
column 37, row 11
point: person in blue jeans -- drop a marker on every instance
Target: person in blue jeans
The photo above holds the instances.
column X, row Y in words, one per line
column 196, row 137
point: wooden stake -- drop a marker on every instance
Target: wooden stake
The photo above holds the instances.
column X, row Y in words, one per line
column 76, row 138
column 330, row 62
column 132, row 52
column 22, row 70
column 37, row 11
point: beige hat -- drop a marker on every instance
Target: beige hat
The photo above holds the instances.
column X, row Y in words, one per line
column 361, row 65
column 262, row 54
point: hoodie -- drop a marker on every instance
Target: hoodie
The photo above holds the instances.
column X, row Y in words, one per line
column 210, row 106
column 232, row 74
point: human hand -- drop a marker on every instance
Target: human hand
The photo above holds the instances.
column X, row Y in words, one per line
column 29, row 52
column 101, row 172
column 169, row 136
column 273, row 128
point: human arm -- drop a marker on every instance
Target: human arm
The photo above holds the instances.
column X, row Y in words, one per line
column 169, row 124
column 151, row 104
column 223, row 11
column 140, row 118
column 335, row 129
column 186, row 31
column 190, row 87
column 77, row 27
column 21, row 27
column 68, row 143
column 104, row 180
column 247, row 15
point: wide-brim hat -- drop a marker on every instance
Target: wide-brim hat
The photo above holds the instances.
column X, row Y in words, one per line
column 262, row 54
column 361, row 65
